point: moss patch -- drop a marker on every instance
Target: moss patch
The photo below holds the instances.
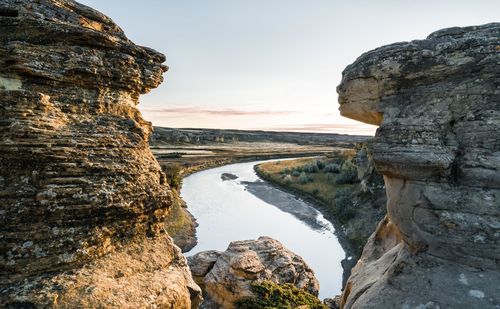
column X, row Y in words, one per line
column 272, row 295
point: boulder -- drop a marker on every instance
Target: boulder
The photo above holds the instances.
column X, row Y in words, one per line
column 202, row 263
column 437, row 102
column 228, row 276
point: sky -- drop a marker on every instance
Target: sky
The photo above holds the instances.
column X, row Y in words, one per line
column 271, row 64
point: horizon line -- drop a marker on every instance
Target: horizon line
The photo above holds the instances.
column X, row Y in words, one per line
column 262, row 130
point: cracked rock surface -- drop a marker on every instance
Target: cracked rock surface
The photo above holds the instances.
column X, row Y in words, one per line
column 82, row 199
column 227, row 276
column 437, row 102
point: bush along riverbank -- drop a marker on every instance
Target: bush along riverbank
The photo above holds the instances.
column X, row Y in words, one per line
column 180, row 224
column 344, row 186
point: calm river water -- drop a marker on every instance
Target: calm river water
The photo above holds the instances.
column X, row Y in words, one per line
column 246, row 208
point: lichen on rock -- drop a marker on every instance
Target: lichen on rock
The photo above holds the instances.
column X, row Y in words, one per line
column 82, row 199
column 437, row 102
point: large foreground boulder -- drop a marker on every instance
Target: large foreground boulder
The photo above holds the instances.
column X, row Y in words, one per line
column 228, row 276
column 82, row 199
column 437, row 102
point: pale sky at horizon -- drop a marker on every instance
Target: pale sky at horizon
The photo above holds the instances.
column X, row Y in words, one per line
column 271, row 64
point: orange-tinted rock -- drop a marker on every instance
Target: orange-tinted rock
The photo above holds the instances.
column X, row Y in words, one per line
column 227, row 277
column 82, row 199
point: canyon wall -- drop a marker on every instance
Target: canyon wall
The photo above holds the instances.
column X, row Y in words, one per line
column 437, row 102
column 82, row 199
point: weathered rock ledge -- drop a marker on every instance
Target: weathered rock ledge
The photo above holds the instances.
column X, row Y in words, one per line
column 82, row 199
column 437, row 102
column 227, row 276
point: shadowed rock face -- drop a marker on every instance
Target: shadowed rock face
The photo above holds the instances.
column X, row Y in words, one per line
column 437, row 102
column 82, row 199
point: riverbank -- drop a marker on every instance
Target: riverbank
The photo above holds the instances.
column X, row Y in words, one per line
column 181, row 224
column 180, row 161
column 343, row 187
column 319, row 204
column 227, row 208
column 317, row 195
column 193, row 158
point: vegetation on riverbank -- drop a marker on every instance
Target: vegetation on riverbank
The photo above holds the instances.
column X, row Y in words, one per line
column 330, row 180
column 341, row 185
column 273, row 295
column 336, row 183
column 180, row 224
column 184, row 151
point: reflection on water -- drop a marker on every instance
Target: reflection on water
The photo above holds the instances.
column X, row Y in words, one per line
column 246, row 208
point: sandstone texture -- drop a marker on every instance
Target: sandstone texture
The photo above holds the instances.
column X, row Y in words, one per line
column 437, row 102
column 227, row 276
column 82, row 199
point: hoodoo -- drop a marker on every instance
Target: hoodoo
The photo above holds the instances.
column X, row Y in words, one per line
column 82, row 199
column 437, row 102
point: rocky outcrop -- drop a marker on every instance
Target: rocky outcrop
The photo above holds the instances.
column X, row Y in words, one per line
column 228, row 276
column 367, row 202
column 437, row 102
column 82, row 199
column 370, row 179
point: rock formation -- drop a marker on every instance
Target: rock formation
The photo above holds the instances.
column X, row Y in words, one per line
column 367, row 203
column 82, row 199
column 227, row 276
column 437, row 102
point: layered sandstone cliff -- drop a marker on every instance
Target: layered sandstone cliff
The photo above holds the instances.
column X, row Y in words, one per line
column 82, row 199
column 437, row 102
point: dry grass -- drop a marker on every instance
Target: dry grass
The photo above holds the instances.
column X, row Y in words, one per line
column 322, row 186
column 336, row 190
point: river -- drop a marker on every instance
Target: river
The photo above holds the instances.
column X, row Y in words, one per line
column 247, row 207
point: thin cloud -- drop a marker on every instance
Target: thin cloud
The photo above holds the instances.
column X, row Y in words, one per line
column 218, row 111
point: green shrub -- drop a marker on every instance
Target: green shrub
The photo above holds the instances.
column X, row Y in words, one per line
column 347, row 177
column 174, row 178
column 320, row 164
column 295, row 173
column 330, row 177
column 343, row 209
column 303, row 178
column 332, row 168
column 311, row 168
column 280, row 296
column 299, row 169
column 338, row 157
column 285, row 171
column 348, row 174
column 315, row 191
